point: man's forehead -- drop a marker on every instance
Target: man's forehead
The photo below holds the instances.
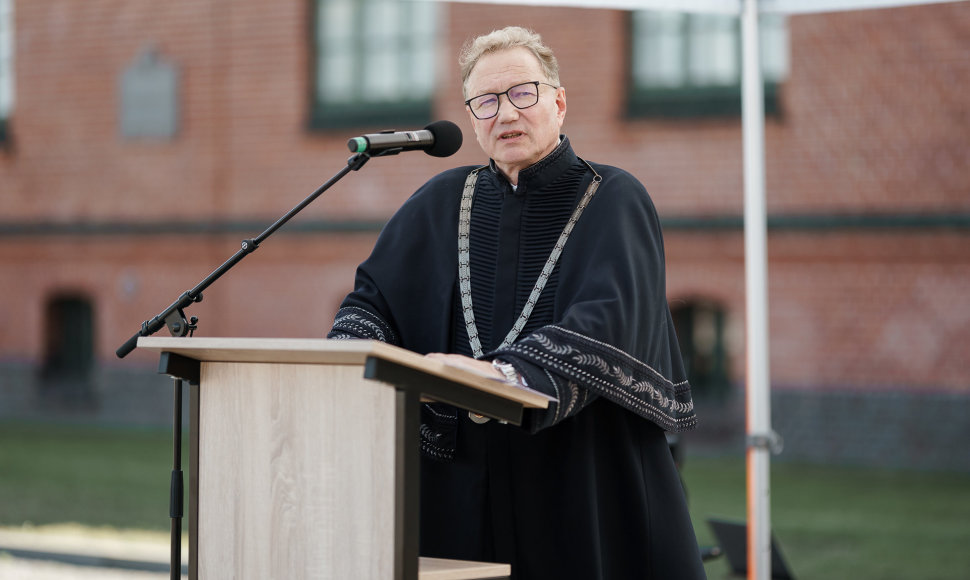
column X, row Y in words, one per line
column 498, row 71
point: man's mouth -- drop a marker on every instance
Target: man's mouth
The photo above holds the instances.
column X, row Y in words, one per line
column 510, row 135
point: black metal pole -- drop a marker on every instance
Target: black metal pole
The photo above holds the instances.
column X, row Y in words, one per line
column 176, row 493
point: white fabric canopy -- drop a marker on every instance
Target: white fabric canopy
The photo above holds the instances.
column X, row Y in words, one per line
column 718, row 6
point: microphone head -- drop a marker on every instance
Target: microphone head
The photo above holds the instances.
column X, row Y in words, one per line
column 447, row 139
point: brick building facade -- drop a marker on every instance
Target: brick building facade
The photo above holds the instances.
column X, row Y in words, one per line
column 868, row 187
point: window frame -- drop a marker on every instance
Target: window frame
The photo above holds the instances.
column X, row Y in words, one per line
column 691, row 102
column 383, row 114
column 6, row 66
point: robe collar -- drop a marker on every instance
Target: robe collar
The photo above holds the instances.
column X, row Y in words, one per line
column 542, row 172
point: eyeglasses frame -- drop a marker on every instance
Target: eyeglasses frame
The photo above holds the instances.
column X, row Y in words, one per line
column 498, row 97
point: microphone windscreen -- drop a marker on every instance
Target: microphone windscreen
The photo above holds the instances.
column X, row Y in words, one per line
column 447, row 139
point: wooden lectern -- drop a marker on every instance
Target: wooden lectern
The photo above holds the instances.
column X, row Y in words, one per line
column 304, row 455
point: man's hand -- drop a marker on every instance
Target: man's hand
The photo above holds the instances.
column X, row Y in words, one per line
column 480, row 367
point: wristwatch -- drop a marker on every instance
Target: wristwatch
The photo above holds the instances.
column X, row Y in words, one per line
column 511, row 376
column 508, row 371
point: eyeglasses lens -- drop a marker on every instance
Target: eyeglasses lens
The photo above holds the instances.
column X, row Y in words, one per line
column 521, row 96
column 524, row 96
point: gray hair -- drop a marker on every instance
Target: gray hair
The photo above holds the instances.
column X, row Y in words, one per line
column 505, row 39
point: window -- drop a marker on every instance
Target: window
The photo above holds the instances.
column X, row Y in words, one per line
column 69, row 342
column 6, row 65
column 689, row 65
column 700, row 327
column 374, row 62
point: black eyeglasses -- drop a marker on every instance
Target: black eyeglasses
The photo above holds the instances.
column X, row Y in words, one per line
column 521, row 96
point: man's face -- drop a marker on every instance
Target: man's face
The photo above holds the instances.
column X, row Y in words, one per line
column 516, row 138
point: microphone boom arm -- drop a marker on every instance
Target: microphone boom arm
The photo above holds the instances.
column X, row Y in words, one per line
column 174, row 317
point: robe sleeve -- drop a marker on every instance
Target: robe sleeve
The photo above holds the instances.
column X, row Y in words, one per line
column 360, row 315
column 615, row 337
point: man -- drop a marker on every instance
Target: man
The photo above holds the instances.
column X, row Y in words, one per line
column 546, row 270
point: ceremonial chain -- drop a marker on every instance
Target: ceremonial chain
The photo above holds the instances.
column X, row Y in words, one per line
column 464, row 272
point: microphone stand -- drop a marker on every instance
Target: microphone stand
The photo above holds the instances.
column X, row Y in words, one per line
column 174, row 318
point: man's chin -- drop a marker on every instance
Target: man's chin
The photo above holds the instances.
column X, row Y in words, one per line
column 513, row 155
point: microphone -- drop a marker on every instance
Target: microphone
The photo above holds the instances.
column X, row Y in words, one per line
column 439, row 139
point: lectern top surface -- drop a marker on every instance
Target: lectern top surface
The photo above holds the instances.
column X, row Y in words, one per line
column 324, row 351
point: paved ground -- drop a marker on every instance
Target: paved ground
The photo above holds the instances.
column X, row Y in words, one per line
column 76, row 553
column 31, row 569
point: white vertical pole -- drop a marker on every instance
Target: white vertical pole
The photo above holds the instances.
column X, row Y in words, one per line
column 756, row 269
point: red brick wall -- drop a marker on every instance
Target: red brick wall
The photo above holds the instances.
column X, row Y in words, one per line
column 874, row 120
column 875, row 311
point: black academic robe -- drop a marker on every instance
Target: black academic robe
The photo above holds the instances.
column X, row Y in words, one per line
column 586, row 489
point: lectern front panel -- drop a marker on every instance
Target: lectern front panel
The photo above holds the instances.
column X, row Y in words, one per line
column 296, row 476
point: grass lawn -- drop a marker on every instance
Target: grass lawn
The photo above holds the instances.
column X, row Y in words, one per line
column 845, row 522
column 95, row 476
column 831, row 522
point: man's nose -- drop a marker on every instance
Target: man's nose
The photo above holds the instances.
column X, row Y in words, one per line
column 507, row 110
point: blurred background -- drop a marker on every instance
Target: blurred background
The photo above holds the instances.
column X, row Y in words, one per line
column 140, row 142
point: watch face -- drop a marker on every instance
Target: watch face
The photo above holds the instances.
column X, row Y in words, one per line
column 511, row 375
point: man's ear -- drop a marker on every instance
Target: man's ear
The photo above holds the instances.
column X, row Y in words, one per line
column 561, row 105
